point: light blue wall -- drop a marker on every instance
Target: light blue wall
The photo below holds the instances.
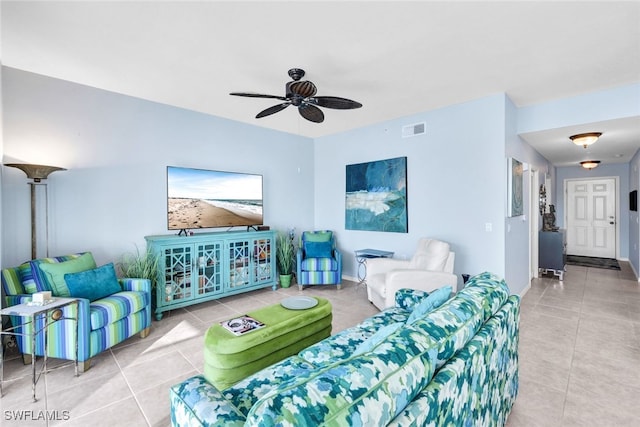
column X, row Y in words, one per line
column 116, row 149
column 634, row 218
column 592, row 107
column 456, row 183
column 620, row 171
column 518, row 229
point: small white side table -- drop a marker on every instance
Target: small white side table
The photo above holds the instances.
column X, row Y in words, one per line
column 362, row 255
column 30, row 313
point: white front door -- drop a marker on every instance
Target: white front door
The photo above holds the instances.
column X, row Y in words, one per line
column 591, row 221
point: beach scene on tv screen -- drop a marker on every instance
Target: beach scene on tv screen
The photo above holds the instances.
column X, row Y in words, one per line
column 198, row 198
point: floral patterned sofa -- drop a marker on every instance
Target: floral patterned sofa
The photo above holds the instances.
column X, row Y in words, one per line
column 454, row 365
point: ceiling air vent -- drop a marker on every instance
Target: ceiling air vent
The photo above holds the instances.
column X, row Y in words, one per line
column 414, row 129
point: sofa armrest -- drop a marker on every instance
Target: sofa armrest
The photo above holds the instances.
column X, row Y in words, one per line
column 196, row 402
column 130, row 284
column 383, row 265
column 63, row 347
column 407, row 299
column 10, row 300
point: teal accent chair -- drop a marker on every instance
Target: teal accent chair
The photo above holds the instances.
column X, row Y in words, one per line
column 319, row 262
column 102, row 323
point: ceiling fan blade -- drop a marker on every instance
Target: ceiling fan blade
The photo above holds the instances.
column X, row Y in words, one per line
column 257, row 95
column 272, row 110
column 335, row 102
column 303, row 88
column 311, row 113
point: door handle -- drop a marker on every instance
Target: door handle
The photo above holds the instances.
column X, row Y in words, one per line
column 611, row 222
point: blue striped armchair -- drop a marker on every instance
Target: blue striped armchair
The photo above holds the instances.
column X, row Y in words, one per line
column 319, row 262
column 103, row 321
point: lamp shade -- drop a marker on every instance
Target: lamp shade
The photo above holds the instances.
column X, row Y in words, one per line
column 590, row 164
column 35, row 172
column 585, row 139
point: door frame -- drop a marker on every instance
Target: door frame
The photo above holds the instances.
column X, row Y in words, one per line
column 534, row 223
column 616, row 180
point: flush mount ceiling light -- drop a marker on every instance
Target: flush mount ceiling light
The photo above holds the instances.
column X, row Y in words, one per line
column 585, row 139
column 590, row 164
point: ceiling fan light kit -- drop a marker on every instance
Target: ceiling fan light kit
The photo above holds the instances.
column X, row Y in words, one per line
column 590, row 164
column 301, row 94
column 585, row 139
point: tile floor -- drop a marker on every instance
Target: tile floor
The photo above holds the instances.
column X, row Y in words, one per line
column 579, row 351
column 576, row 337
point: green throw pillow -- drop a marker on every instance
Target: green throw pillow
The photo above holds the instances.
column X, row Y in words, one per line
column 433, row 301
column 375, row 339
column 93, row 284
column 54, row 272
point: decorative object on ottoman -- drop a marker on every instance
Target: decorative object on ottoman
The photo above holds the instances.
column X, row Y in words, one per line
column 431, row 267
column 229, row 358
column 319, row 262
column 456, row 365
column 109, row 310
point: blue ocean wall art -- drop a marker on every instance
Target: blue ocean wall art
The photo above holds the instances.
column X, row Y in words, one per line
column 376, row 196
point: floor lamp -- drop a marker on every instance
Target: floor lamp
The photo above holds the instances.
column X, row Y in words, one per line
column 37, row 173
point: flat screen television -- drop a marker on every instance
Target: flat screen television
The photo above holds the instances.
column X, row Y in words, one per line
column 199, row 198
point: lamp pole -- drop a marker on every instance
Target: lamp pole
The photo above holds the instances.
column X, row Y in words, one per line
column 37, row 173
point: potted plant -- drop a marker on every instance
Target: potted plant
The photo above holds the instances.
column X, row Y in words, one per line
column 141, row 266
column 284, row 259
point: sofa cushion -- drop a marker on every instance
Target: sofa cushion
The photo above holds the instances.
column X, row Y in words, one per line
column 317, row 236
column 319, row 264
column 247, row 392
column 456, row 321
column 34, row 281
column 93, row 284
column 407, row 299
column 317, row 249
column 379, row 336
column 341, row 345
column 370, row 389
column 431, row 302
column 53, row 273
column 115, row 307
column 11, row 280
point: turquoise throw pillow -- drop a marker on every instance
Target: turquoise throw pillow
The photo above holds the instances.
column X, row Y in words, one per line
column 433, row 301
column 93, row 284
column 375, row 339
column 53, row 273
column 317, row 249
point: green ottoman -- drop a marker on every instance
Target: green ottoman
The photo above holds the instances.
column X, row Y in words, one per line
column 229, row 358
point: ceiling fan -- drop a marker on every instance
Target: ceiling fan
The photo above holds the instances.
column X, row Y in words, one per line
column 301, row 93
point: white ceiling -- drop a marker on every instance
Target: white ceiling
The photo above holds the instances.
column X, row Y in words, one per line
column 396, row 58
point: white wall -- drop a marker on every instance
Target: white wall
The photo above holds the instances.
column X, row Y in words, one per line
column 116, row 149
column 456, row 183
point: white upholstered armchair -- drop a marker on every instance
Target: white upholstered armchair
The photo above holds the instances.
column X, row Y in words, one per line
column 430, row 268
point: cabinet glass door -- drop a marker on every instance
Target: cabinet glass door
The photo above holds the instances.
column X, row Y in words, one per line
column 262, row 271
column 209, row 268
column 239, row 263
column 177, row 274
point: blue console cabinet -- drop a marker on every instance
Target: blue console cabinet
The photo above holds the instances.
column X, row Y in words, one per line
column 208, row 266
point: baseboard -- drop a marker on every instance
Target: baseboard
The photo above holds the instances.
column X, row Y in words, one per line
column 525, row 290
column 350, row 278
